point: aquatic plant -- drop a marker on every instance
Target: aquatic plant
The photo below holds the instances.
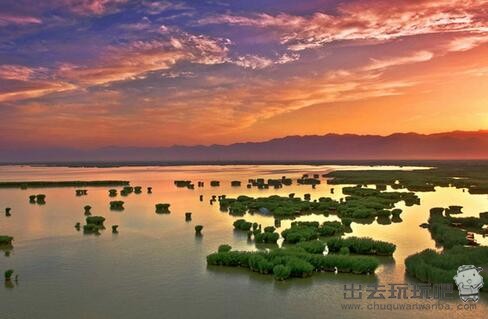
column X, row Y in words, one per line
column 360, row 203
column 286, row 181
column 187, row 216
column 281, row 272
column 301, row 231
column 332, row 228
column 308, row 181
column 214, row 183
column 40, row 199
column 81, row 192
column 436, row 211
column 235, row 183
column 312, row 247
column 363, row 245
column 95, row 220
column 299, row 262
column 32, row 199
column 112, row 192
column 242, row 224
column 383, row 213
column 444, row 233
column 127, row 190
column 149, row 190
column 440, row 267
column 117, row 205
column 346, row 222
column 162, row 208
column 87, row 209
column 91, row 229
column 7, row 212
column 8, row 274
column 269, row 229
column 198, row 229
column 6, row 240
column 474, row 177
column 277, row 222
column 396, row 212
column 454, row 209
column 137, row 189
column 474, row 223
column 237, row 209
column 115, row 229
column 224, row 248
column 266, row 237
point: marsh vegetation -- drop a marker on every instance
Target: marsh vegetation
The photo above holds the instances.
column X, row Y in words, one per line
column 117, row 205
column 360, row 203
column 440, row 267
column 6, row 240
column 472, row 176
column 162, row 208
column 285, row 263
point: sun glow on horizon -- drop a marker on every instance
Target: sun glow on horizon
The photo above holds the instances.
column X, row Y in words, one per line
column 119, row 72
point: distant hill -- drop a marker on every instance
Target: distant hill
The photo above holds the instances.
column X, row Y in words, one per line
column 398, row 146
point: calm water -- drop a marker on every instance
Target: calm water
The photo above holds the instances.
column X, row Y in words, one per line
column 156, row 268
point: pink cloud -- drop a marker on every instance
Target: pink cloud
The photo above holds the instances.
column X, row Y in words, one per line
column 89, row 7
column 116, row 63
column 18, row 20
column 253, row 62
column 20, row 72
column 369, row 20
column 256, row 62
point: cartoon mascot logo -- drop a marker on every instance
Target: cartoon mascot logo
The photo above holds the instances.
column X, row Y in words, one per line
column 469, row 282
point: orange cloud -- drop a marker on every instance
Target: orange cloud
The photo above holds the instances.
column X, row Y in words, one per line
column 35, row 90
column 467, row 42
column 416, row 57
column 20, row 72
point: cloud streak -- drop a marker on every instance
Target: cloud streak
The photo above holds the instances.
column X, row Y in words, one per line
column 6, row 20
column 367, row 20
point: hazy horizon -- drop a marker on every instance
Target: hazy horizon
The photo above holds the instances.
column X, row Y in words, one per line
column 400, row 146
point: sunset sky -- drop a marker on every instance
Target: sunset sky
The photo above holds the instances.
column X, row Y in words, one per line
column 92, row 73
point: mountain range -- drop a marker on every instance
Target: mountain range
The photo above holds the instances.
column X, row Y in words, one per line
column 398, row 146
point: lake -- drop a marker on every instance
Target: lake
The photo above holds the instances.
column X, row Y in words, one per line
column 155, row 267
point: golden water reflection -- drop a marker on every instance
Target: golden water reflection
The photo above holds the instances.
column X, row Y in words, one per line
column 159, row 254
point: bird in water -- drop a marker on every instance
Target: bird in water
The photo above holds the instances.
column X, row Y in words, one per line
column 336, row 270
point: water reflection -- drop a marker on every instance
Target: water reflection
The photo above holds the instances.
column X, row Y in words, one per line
column 156, row 266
